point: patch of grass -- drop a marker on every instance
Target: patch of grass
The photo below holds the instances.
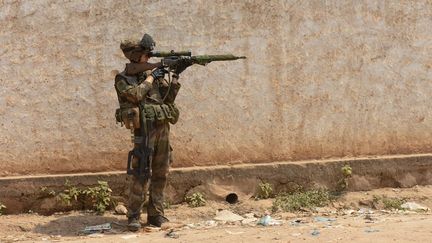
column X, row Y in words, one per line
column 390, row 202
column 2, row 208
column 195, row 200
column 301, row 200
column 375, row 199
column 264, row 191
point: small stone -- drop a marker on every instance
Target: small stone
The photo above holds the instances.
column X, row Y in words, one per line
column 131, row 236
column 348, row 212
column 249, row 221
column 172, row 234
column 412, row 206
column 210, row 223
column 249, row 215
column 24, row 228
column 228, row 216
column 315, row 232
column 121, row 209
column 151, row 229
column 96, row 235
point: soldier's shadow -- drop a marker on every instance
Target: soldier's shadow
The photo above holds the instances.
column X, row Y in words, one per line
column 74, row 225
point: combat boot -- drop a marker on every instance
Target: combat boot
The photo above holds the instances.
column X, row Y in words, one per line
column 133, row 224
column 157, row 220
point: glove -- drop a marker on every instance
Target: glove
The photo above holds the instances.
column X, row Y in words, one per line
column 158, row 73
column 182, row 64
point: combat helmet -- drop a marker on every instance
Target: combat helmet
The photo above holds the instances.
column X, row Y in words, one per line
column 133, row 50
column 147, row 42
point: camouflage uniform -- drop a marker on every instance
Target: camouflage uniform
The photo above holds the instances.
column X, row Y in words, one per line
column 155, row 103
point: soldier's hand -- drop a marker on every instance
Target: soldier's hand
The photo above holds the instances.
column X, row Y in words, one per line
column 158, row 73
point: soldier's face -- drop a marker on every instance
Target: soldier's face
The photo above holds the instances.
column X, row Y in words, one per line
column 144, row 58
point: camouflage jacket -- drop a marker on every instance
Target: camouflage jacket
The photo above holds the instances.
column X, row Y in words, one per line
column 133, row 90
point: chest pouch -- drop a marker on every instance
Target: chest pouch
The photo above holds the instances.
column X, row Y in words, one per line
column 174, row 113
column 130, row 117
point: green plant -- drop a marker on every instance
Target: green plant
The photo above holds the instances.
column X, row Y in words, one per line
column 300, row 200
column 2, row 207
column 100, row 196
column 69, row 194
column 65, row 198
column 47, row 193
column 166, row 205
column 376, row 199
column 391, row 202
column 342, row 184
column 346, row 170
column 195, row 200
column 264, row 191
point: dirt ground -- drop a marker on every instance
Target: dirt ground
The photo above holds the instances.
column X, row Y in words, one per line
column 352, row 217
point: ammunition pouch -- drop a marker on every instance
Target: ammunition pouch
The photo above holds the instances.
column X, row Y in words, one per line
column 168, row 112
column 129, row 117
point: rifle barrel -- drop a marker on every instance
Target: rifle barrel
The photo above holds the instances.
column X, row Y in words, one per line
column 205, row 59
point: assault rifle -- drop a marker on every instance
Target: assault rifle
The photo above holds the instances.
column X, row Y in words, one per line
column 175, row 60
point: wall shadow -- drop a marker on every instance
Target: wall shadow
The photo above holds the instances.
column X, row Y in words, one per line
column 73, row 225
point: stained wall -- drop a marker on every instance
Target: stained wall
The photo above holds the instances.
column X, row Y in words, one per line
column 322, row 79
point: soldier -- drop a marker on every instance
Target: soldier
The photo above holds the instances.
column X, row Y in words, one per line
column 147, row 107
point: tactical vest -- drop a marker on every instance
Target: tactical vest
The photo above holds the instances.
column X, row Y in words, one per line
column 149, row 108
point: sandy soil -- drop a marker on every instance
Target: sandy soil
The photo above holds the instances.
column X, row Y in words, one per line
column 352, row 218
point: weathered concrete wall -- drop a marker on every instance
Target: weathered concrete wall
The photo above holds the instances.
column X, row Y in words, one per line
column 322, row 79
column 23, row 193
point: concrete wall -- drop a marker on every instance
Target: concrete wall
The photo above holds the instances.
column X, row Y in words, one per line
column 322, row 79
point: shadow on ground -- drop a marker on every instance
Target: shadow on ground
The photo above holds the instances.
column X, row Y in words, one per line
column 73, row 225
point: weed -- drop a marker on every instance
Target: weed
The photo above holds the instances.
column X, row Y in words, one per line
column 65, row 198
column 100, row 196
column 2, row 207
column 265, row 190
column 392, row 202
column 387, row 202
column 376, row 199
column 346, row 170
column 73, row 192
column 195, row 200
column 166, row 205
column 342, row 184
column 47, row 193
column 300, row 200
column 69, row 194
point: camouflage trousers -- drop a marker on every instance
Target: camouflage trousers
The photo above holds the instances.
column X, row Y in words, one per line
column 159, row 141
